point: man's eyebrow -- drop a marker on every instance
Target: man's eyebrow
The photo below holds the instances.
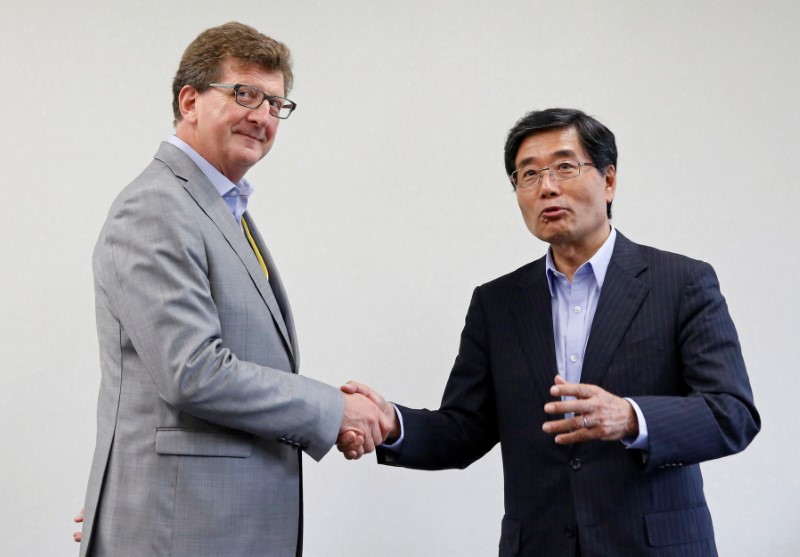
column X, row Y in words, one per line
column 559, row 153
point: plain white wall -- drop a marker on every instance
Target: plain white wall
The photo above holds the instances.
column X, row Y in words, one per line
column 385, row 203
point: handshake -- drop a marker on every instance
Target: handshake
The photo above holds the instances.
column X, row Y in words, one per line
column 368, row 421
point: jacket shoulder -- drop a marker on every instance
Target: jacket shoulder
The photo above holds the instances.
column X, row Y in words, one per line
column 529, row 273
column 659, row 259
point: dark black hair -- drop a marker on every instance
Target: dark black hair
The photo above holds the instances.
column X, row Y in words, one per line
column 596, row 139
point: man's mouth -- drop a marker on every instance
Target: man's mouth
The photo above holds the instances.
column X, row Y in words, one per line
column 552, row 213
column 254, row 137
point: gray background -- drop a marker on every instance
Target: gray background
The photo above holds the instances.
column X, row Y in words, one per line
column 385, row 203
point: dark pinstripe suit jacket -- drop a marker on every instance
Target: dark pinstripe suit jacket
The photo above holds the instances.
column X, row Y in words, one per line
column 661, row 335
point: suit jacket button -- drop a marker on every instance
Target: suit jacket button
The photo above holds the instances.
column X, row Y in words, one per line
column 576, row 464
column 569, row 532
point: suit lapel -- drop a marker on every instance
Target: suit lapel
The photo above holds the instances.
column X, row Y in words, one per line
column 533, row 314
column 620, row 299
column 209, row 200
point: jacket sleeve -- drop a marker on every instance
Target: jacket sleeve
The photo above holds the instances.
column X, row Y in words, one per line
column 464, row 428
column 717, row 416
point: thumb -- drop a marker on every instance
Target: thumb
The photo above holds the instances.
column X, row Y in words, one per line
column 351, row 387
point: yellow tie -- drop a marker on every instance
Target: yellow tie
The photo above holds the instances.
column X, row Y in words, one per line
column 255, row 248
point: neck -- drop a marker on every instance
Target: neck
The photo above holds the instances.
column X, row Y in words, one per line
column 568, row 257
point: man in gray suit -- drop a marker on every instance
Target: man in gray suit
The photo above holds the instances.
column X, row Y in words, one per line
column 202, row 416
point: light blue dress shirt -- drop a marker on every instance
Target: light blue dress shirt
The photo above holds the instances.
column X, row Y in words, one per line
column 234, row 195
column 574, row 305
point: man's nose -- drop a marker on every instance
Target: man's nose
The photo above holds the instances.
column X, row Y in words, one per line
column 548, row 186
column 262, row 114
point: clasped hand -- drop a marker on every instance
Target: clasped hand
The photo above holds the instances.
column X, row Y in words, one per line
column 598, row 415
column 354, row 442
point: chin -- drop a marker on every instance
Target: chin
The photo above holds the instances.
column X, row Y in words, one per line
column 250, row 157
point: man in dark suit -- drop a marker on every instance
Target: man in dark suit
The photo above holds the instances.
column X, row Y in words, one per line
column 649, row 376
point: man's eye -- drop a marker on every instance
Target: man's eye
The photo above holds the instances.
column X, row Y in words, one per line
column 246, row 94
column 566, row 166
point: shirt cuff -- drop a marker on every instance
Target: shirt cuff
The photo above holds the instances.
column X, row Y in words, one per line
column 642, row 442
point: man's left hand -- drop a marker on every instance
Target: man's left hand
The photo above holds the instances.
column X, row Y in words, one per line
column 599, row 415
column 79, row 520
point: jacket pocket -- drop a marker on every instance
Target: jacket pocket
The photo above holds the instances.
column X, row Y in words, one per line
column 679, row 526
column 200, row 442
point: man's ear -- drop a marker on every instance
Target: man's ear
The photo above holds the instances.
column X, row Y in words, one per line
column 187, row 103
column 611, row 182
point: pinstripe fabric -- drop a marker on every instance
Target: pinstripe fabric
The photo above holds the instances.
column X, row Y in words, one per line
column 661, row 335
column 201, row 412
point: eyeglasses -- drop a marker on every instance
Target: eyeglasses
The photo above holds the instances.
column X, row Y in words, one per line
column 529, row 177
column 253, row 97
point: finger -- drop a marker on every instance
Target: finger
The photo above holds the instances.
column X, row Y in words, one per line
column 76, row 536
column 566, row 425
column 579, row 436
column 559, row 382
column 354, row 454
column 357, row 387
column 385, row 424
column 559, row 407
column 369, row 393
column 579, row 429
column 369, row 443
column 369, row 435
column 349, row 388
column 345, row 439
column 578, row 390
column 378, row 434
column 354, row 445
column 578, row 406
column 573, row 430
column 78, row 517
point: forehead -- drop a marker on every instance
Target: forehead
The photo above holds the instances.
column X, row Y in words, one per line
column 238, row 71
column 546, row 146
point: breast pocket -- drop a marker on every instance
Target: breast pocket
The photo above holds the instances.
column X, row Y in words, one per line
column 643, row 367
column 639, row 349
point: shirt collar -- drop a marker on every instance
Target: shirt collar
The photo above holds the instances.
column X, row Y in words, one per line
column 224, row 186
column 598, row 263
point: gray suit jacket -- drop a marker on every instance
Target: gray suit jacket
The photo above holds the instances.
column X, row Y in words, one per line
column 201, row 412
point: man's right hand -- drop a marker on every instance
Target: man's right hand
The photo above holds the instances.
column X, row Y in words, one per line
column 353, row 445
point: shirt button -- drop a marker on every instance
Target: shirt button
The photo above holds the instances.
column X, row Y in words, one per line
column 573, row 358
column 577, row 309
column 576, row 464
